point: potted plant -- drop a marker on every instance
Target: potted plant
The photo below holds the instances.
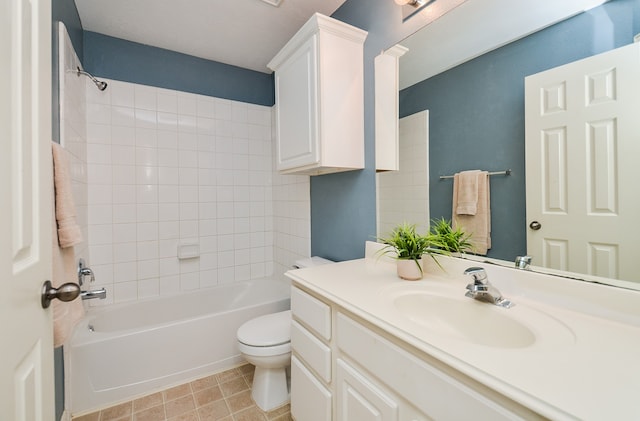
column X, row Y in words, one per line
column 450, row 240
column 409, row 247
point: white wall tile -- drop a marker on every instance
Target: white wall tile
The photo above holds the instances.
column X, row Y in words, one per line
column 145, row 97
column 185, row 167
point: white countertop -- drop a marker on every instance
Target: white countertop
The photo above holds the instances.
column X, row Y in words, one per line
column 583, row 364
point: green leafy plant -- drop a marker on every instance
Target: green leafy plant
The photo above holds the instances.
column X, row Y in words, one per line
column 407, row 244
column 448, row 239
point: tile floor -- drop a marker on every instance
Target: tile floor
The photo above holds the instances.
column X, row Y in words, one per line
column 225, row 396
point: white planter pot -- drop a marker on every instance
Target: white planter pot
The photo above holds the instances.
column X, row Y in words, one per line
column 411, row 270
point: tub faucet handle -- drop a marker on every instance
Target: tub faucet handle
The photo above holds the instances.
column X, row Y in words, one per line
column 83, row 271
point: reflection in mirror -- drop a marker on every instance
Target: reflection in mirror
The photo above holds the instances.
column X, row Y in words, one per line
column 403, row 195
column 477, row 108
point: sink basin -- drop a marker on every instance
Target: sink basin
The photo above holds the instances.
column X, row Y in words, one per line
column 466, row 319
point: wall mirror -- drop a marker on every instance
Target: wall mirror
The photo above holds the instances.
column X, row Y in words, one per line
column 467, row 69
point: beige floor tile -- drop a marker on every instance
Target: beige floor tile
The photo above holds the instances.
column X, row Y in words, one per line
column 240, row 401
column 277, row 412
column 214, row 411
column 147, row 402
column 188, row 416
column 116, row 412
column 94, row 416
column 224, row 396
column 285, row 417
column 207, row 396
column 227, row 375
column 246, row 369
column 155, row 413
column 179, row 406
column 250, row 414
column 176, row 392
column 204, row 383
column 234, row 386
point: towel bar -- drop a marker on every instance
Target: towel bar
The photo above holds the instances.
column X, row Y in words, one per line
column 505, row 172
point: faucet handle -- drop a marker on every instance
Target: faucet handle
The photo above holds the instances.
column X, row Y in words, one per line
column 523, row 262
column 84, row 271
column 478, row 275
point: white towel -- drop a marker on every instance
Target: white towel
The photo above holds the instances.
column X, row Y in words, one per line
column 479, row 224
column 466, row 184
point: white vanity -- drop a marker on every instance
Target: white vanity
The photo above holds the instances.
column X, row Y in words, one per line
column 367, row 345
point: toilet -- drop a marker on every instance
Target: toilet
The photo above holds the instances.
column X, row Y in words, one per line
column 266, row 343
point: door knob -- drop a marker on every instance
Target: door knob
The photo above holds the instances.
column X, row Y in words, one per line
column 66, row 292
column 535, row 225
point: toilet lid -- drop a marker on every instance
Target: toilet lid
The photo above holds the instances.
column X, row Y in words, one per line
column 268, row 330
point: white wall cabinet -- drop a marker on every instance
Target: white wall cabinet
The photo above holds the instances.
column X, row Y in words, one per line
column 319, row 118
column 358, row 372
column 387, row 108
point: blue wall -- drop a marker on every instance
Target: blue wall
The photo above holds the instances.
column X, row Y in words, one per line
column 343, row 205
column 477, row 111
column 115, row 58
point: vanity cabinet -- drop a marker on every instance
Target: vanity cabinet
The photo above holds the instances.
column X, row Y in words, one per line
column 319, row 113
column 344, row 369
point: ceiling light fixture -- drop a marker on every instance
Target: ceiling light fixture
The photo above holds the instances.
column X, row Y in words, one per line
column 411, row 7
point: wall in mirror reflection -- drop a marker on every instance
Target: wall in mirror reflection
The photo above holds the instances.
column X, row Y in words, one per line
column 477, row 112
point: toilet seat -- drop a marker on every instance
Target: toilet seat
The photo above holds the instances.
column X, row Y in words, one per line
column 270, row 330
column 264, row 351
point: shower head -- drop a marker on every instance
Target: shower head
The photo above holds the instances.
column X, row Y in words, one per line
column 99, row 83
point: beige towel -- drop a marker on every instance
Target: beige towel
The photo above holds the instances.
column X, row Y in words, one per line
column 65, row 315
column 478, row 225
column 466, row 184
column 69, row 232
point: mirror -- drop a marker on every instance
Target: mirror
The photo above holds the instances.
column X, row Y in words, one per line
column 477, row 108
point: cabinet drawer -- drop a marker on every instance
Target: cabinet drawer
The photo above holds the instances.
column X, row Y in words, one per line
column 359, row 399
column 435, row 393
column 311, row 312
column 316, row 354
column 310, row 400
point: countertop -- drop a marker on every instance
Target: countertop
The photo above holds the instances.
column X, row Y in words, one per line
column 583, row 364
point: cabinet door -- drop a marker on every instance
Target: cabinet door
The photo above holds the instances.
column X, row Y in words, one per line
column 310, row 400
column 359, row 399
column 296, row 109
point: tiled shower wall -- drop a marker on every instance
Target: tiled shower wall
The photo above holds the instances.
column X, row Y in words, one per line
column 73, row 133
column 169, row 168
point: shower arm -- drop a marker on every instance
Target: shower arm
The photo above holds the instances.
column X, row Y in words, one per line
column 100, row 84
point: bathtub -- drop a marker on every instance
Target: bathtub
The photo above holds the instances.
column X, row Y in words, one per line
column 124, row 351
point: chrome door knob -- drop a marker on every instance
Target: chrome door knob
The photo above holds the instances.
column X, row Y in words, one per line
column 535, row 225
column 66, row 292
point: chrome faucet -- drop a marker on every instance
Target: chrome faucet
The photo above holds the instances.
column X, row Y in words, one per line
column 84, row 271
column 481, row 290
column 523, row 262
column 95, row 293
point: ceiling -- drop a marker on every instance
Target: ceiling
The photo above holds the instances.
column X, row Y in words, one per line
column 249, row 33
column 244, row 33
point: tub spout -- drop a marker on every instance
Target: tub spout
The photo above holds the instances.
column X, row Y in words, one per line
column 96, row 293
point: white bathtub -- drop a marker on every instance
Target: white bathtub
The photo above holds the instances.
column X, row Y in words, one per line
column 129, row 350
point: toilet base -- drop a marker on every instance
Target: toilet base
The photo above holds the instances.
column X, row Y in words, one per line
column 269, row 389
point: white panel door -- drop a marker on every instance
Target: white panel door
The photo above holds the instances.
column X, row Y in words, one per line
column 26, row 366
column 582, row 147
